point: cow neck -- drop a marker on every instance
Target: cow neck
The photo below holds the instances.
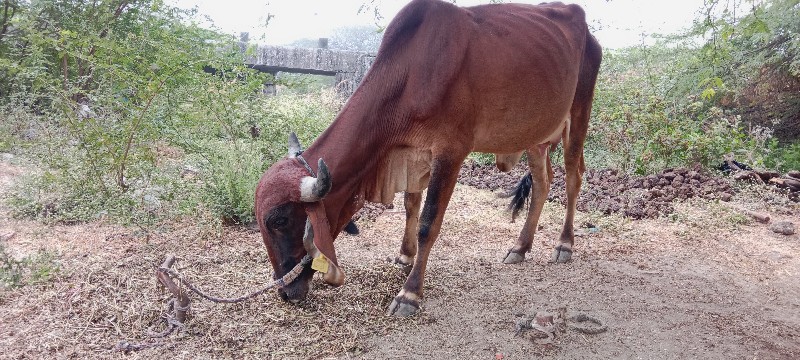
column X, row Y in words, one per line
column 351, row 147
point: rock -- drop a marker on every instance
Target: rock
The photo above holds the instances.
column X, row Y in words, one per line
column 634, row 212
column 725, row 196
column 544, row 318
column 782, row 227
column 776, row 256
column 189, row 172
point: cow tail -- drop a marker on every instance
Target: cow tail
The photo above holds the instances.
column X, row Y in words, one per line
column 519, row 195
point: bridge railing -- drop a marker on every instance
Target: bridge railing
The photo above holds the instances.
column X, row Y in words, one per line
column 348, row 67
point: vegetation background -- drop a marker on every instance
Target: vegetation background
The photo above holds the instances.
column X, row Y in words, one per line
column 108, row 104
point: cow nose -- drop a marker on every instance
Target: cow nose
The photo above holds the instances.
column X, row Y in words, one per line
column 283, row 295
column 293, row 295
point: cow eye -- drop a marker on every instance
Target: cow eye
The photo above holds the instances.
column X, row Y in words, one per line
column 280, row 221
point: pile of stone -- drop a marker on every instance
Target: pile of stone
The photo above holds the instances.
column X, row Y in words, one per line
column 647, row 196
column 609, row 191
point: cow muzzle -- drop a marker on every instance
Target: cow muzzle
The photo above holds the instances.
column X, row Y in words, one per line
column 296, row 291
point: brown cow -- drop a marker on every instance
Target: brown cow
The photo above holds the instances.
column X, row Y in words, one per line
column 501, row 78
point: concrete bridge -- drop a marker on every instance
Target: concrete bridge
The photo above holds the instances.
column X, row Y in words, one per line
column 348, row 67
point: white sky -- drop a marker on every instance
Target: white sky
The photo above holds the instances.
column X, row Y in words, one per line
column 620, row 22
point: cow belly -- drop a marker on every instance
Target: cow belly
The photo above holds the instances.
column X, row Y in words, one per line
column 520, row 136
column 402, row 169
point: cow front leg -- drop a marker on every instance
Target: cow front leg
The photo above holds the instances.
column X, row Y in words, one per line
column 408, row 249
column 444, row 172
column 541, row 173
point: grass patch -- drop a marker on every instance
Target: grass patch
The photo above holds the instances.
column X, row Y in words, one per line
column 30, row 270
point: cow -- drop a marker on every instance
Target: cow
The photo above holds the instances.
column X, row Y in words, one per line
column 446, row 81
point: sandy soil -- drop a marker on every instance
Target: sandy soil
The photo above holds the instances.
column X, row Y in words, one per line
column 704, row 282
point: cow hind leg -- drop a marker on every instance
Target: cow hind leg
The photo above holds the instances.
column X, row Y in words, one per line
column 542, row 175
column 573, row 144
column 573, row 173
column 408, row 249
column 444, row 172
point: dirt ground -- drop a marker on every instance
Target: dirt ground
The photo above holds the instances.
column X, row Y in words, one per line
column 703, row 282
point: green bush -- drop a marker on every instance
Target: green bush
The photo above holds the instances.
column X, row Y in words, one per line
column 211, row 159
column 647, row 116
column 232, row 168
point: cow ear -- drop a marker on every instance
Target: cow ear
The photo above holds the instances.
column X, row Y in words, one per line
column 318, row 231
column 294, row 145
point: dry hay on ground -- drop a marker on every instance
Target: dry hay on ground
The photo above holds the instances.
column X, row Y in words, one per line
column 705, row 282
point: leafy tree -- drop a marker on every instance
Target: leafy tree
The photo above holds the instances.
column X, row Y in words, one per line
column 750, row 61
column 96, row 88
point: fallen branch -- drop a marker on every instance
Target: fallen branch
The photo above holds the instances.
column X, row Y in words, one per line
column 183, row 305
column 748, row 175
column 760, row 217
column 791, row 183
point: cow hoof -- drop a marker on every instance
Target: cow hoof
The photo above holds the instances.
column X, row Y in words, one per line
column 403, row 307
column 514, row 257
column 561, row 254
column 403, row 265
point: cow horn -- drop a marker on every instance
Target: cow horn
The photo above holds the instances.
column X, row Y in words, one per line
column 294, row 145
column 313, row 189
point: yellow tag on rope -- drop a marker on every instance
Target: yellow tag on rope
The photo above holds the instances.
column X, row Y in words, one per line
column 320, row 263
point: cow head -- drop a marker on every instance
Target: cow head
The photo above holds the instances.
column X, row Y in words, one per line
column 291, row 217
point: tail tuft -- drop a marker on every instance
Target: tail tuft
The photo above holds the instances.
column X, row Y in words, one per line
column 519, row 195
